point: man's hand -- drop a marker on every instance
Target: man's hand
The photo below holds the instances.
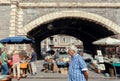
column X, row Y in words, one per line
column 86, row 75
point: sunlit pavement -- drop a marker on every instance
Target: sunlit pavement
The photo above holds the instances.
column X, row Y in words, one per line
column 41, row 76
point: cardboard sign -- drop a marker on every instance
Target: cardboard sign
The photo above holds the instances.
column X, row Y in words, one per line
column 99, row 52
column 100, row 59
column 102, row 67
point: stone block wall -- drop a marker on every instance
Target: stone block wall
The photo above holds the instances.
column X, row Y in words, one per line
column 4, row 20
column 29, row 14
column 33, row 13
column 70, row 1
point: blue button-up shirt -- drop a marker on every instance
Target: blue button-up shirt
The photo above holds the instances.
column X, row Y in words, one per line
column 76, row 68
column 33, row 57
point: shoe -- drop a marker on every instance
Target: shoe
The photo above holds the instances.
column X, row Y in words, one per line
column 32, row 74
column 18, row 78
column 14, row 77
column 23, row 75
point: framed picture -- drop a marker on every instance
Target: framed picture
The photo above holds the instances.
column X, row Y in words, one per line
column 102, row 66
column 100, row 59
column 99, row 52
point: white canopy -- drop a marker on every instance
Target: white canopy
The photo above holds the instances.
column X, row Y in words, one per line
column 107, row 41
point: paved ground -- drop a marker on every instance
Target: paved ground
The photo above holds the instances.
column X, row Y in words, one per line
column 41, row 76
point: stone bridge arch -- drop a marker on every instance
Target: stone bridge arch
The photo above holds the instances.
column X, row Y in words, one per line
column 80, row 14
column 48, row 18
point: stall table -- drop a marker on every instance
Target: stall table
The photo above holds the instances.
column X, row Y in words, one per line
column 114, row 66
column 62, row 64
column 117, row 69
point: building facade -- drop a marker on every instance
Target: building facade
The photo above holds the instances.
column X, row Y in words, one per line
column 58, row 42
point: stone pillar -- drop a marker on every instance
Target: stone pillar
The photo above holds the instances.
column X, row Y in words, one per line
column 37, row 47
column 19, row 21
column 13, row 19
column 90, row 47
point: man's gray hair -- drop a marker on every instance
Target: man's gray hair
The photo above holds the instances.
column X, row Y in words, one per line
column 73, row 47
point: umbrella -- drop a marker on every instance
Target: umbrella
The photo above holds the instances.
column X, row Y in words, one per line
column 107, row 41
column 1, row 45
column 16, row 40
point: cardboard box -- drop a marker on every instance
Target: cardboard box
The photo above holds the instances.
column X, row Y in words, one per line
column 97, row 70
column 64, row 71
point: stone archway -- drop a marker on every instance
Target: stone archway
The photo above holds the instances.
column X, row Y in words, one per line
column 80, row 14
column 96, row 19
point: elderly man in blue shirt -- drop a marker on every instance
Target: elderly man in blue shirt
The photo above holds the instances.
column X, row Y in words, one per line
column 77, row 68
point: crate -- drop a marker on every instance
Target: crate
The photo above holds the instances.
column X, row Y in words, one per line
column 64, row 71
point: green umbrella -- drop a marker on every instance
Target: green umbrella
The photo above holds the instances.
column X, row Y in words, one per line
column 1, row 45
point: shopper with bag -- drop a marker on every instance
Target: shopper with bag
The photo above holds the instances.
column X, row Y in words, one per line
column 4, row 59
column 16, row 64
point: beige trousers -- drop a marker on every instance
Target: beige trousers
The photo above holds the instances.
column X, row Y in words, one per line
column 16, row 69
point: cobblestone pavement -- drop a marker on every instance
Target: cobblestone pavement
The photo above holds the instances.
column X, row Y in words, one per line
column 41, row 76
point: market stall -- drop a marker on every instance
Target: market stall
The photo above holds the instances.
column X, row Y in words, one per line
column 111, row 55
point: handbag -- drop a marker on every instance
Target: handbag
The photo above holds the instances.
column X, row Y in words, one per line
column 0, row 62
column 10, row 63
